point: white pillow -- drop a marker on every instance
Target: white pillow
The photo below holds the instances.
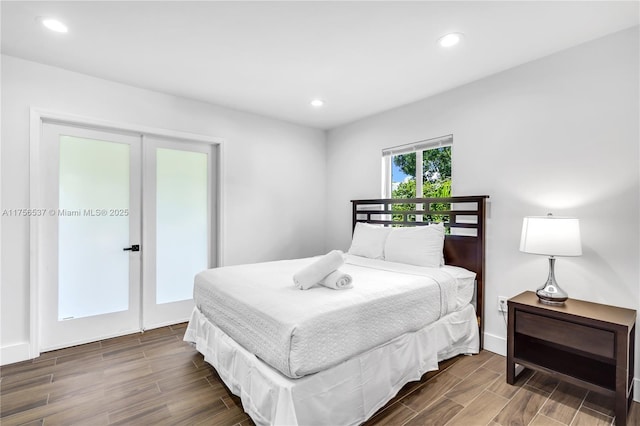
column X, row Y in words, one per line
column 420, row 245
column 368, row 240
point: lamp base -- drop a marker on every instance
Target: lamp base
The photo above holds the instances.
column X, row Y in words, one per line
column 551, row 293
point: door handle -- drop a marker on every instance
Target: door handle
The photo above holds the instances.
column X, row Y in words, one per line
column 134, row 247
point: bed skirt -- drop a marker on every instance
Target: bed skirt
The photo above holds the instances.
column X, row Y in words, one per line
column 346, row 394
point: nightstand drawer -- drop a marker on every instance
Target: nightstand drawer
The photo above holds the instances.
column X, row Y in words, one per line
column 576, row 336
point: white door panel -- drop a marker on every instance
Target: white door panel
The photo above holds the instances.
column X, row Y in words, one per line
column 91, row 287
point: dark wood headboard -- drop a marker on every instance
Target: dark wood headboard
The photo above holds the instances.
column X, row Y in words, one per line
column 463, row 217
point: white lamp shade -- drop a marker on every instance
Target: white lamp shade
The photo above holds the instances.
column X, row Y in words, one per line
column 551, row 236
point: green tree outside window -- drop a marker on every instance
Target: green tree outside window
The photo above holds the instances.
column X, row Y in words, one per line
column 436, row 180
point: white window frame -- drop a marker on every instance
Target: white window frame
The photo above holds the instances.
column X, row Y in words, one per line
column 417, row 147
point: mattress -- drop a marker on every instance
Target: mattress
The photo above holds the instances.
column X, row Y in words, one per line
column 346, row 394
column 303, row 332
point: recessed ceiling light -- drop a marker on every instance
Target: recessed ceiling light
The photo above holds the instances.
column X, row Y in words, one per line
column 317, row 103
column 450, row 39
column 55, row 25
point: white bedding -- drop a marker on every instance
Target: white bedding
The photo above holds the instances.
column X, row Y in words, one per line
column 303, row 332
column 346, row 394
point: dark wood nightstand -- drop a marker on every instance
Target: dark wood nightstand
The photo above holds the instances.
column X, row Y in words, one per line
column 583, row 343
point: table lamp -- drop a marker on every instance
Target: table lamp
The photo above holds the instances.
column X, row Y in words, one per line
column 551, row 236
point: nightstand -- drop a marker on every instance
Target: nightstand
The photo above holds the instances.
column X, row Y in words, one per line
column 583, row 343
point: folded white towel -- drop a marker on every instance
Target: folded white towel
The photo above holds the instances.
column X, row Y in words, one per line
column 337, row 280
column 315, row 272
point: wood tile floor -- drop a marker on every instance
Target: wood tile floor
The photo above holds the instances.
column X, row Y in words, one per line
column 156, row 378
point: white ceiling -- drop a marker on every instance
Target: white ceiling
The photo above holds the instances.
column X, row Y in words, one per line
column 272, row 58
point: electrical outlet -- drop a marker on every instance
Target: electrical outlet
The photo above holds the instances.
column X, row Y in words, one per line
column 502, row 304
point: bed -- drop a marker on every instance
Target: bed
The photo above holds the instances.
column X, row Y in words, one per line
column 335, row 357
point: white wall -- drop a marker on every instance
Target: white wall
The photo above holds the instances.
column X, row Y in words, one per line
column 274, row 173
column 559, row 135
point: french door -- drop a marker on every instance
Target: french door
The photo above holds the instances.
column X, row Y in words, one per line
column 127, row 226
column 176, row 227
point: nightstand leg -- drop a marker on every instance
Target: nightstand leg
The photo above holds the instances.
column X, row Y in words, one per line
column 511, row 372
column 511, row 366
column 625, row 345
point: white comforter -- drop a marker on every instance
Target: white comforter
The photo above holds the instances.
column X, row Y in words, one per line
column 303, row 332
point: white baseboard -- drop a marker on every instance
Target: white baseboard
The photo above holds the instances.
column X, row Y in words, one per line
column 495, row 344
column 15, row 353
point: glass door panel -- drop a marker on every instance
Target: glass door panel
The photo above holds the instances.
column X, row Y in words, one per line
column 177, row 229
column 181, row 222
column 93, row 227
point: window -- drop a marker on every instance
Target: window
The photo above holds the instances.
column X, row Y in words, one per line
column 421, row 169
